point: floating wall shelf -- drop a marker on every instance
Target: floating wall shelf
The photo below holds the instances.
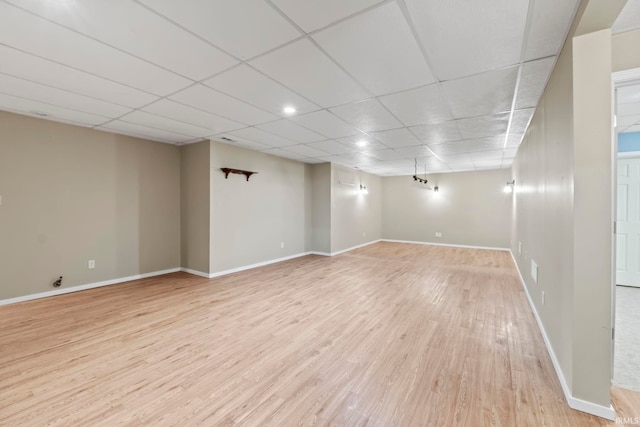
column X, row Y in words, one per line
column 227, row 171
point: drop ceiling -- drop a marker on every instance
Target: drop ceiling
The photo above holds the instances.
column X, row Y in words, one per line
column 375, row 83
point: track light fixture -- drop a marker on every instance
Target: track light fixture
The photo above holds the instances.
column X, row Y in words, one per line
column 415, row 173
column 363, row 189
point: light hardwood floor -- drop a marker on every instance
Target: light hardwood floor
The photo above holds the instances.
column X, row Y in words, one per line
column 386, row 335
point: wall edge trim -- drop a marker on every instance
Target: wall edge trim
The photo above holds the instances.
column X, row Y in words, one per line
column 415, row 242
column 573, row 402
column 78, row 288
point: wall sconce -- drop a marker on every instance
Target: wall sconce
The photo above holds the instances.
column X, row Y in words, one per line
column 363, row 189
column 509, row 187
column 436, row 189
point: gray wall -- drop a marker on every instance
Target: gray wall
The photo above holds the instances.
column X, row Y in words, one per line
column 194, row 204
column 356, row 218
column 562, row 208
column 471, row 208
column 321, row 208
column 250, row 220
column 71, row 194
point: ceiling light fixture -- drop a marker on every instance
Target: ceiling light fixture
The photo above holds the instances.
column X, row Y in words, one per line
column 361, row 143
column 289, row 110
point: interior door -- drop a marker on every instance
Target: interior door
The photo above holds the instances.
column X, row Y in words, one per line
column 628, row 223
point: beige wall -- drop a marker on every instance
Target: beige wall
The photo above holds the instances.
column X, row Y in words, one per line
column 471, row 208
column 625, row 52
column 250, row 220
column 194, row 204
column 71, row 194
column 562, row 208
column 320, row 208
column 356, row 218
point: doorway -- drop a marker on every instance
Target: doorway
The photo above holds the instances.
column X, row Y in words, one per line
column 626, row 286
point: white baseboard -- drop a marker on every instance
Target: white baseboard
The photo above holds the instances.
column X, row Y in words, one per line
column 446, row 244
column 573, row 402
column 195, row 272
column 320, row 253
column 259, row 264
column 354, row 247
column 62, row 291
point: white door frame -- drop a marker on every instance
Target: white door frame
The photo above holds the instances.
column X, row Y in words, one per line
column 618, row 79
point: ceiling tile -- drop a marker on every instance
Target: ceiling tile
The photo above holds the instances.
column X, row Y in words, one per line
column 312, row 160
column 629, row 18
column 510, row 152
column 326, row 124
column 302, row 67
column 207, row 99
column 483, row 126
column 487, row 155
column 306, row 151
column 415, row 151
column 396, row 138
column 520, row 120
column 283, row 153
column 378, row 49
column 29, row 67
column 387, row 154
column 131, row 27
column 514, row 139
column 424, row 105
column 550, row 22
column 239, row 142
column 311, row 15
column 441, row 132
column 486, row 93
column 369, row 116
column 247, row 84
column 243, row 28
column 261, row 137
column 164, row 123
column 466, row 146
column 33, row 34
column 38, row 92
column 175, row 110
column 487, row 163
column 532, row 81
column 462, row 39
column 331, row 147
column 145, row 132
column 361, row 143
column 48, row 111
column 292, row 131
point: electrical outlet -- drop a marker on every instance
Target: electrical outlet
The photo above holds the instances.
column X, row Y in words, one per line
column 364, row 234
column 438, row 234
column 542, row 297
column 91, row 264
column 534, row 271
column 281, row 245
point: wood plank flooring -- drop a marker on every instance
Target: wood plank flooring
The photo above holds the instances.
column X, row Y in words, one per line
column 387, row 335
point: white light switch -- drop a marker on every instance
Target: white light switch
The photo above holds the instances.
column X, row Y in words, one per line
column 92, row 264
column 534, row 271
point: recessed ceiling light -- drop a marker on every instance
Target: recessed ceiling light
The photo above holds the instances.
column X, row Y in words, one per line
column 361, row 143
column 289, row 110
